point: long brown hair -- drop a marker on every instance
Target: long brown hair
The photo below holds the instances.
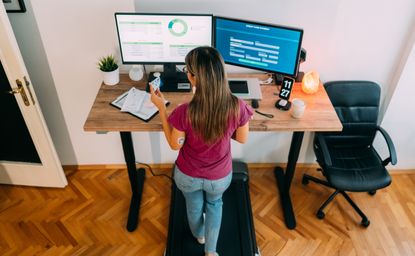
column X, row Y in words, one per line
column 213, row 104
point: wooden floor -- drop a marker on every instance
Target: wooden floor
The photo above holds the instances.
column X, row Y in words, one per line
column 88, row 217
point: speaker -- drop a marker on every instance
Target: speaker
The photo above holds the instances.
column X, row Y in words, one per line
column 303, row 55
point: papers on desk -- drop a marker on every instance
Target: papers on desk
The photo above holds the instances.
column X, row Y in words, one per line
column 137, row 103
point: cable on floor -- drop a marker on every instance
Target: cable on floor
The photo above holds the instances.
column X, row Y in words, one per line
column 151, row 170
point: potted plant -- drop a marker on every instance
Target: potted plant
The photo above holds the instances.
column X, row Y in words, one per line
column 109, row 67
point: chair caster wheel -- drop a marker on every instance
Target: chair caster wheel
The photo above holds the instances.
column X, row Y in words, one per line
column 304, row 181
column 365, row 223
column 372, row 193
column 320, row 215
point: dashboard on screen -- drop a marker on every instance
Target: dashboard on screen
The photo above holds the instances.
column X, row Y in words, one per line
column 161, row 38
column 259, row 46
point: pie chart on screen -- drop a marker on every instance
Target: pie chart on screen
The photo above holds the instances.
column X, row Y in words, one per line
column 178, row 27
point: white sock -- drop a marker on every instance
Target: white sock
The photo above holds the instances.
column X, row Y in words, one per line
column 201, row 240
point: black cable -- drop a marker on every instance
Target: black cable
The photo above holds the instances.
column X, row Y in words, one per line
column 265, row 114
column 145, row 71
column 151, row 170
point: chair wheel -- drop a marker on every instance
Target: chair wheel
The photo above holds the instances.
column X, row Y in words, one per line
column 372, row 193
column 365, row 223
column 304, row 181
column 320, row 215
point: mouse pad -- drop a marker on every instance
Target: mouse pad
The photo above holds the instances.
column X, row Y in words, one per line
column 238, row 86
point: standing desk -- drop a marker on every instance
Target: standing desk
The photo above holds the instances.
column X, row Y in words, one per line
column 319, row 116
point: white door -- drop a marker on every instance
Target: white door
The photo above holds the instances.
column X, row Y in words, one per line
column 27, row 154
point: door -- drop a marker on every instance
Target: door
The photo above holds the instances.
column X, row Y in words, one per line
column 27, row 154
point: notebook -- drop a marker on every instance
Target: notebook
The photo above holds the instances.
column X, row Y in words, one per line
column 137, row 103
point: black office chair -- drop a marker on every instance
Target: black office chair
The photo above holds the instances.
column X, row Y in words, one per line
column 348, row 159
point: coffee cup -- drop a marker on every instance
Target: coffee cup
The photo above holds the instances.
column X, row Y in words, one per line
column 297, row 108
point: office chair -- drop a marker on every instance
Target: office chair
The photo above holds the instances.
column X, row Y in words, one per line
column 348, row 159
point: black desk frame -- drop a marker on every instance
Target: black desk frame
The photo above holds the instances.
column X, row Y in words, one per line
column 137, row 177
column 284, row 180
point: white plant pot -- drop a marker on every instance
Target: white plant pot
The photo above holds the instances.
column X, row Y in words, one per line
column 112, row 77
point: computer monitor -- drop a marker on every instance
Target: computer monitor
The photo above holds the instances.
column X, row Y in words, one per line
column 147, row 38
column 260, row 46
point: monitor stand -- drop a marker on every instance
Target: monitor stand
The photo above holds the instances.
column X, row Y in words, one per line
column 171, row 79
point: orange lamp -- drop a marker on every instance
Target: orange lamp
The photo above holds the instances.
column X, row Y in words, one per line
column 310, row 83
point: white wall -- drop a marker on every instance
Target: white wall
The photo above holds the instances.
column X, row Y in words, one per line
column 399, row 117
column 75, row 34
column 344, row 40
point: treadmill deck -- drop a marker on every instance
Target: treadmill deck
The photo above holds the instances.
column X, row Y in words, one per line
column 237, row 233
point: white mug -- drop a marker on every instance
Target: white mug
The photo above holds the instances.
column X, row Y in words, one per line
column 297, row 108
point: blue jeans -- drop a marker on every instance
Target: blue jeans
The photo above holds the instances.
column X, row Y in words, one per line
column 192, row 189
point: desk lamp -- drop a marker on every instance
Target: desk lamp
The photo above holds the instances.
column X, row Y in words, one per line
column 310, row 82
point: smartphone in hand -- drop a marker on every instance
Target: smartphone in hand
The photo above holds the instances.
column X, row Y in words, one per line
column 156, row 83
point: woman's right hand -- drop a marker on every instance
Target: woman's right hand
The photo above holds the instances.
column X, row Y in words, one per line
column 157, row 98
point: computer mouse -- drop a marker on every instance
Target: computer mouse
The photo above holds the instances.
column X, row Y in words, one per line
column 254, row 103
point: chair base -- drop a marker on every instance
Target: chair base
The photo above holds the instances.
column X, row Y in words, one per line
column 320, row 213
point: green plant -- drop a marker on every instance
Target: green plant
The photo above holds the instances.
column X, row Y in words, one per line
column 107, row 63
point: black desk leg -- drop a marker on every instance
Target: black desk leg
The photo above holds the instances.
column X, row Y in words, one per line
column 284, row 180
column 136, row 180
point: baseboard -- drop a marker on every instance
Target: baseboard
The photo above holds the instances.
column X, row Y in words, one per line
column 84, row 167
column 158, row 166
column 169, row 166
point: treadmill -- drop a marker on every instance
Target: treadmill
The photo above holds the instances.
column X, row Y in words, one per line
column 237, row 232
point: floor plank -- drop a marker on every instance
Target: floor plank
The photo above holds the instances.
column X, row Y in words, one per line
column 89, row 216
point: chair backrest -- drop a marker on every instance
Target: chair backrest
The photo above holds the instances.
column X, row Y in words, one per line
column 357, row 106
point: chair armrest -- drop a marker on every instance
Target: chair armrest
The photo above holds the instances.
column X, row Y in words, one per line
column 324, row 149
column 392, row 152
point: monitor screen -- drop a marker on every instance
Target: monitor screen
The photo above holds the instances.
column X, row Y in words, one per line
column 161, row 38
column 259, row 46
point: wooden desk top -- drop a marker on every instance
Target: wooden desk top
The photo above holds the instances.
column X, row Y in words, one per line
column 319, row 114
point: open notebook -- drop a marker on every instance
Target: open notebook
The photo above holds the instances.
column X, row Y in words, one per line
column 137, row 103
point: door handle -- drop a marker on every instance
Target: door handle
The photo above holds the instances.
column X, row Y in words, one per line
column 14, row 91
column 21, row 91
column 28, row 88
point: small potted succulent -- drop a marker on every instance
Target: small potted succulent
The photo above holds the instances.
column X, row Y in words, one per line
column 109, row 67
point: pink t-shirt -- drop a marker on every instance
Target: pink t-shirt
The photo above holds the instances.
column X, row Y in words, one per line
column 198, row 159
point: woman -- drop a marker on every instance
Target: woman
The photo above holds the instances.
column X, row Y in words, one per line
column 201, row 130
